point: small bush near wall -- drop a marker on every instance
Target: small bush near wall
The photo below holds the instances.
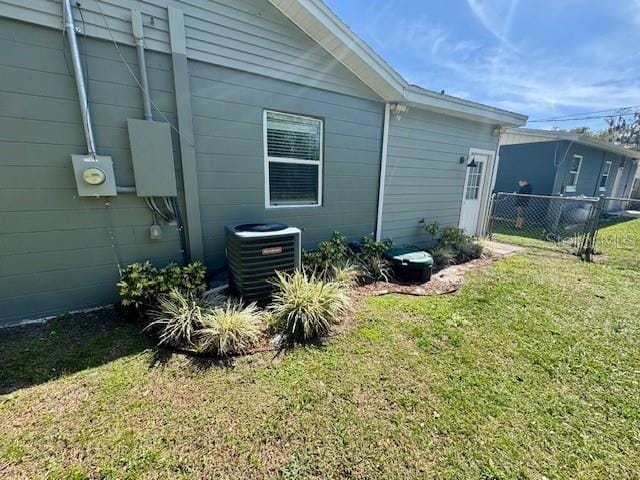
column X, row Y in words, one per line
column 363, row 261
column 141, row 283
column 179, row 313
column 451, row 247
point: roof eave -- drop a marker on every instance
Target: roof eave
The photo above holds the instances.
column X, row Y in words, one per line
column 578, row 138
column 326, row 29
column 420, row 98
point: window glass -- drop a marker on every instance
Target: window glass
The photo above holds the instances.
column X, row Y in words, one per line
column 474, row 177
column 294, row 159
column 605, row 175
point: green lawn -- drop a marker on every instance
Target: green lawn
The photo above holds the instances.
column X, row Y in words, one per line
column 532, row 370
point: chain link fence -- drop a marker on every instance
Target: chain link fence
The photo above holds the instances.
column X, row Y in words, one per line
column 568, row 223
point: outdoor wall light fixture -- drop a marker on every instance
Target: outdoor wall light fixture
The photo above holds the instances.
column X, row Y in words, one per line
column 397, row 109
column 471, row 164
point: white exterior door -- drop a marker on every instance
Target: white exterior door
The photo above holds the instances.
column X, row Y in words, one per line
column 473, row 194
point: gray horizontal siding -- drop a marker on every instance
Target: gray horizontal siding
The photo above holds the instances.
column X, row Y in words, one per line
column 424, row 177
column 228, row 113
column 55, row 249
column 248, row 35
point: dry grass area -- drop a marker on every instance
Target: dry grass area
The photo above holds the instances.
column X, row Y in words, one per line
column 531, row 370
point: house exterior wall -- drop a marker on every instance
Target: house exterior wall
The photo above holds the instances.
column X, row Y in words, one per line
column 57, row 253
column 56, row 250
column 593, row 163
column 248, row 35
column 424, row 177
column 228, row 110
column 532, row 161
column 546, row 165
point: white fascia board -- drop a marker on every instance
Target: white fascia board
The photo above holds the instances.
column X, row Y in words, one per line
column 326, row 29
column 421, row 98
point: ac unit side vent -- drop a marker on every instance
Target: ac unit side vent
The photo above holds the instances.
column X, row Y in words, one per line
column 254, row 258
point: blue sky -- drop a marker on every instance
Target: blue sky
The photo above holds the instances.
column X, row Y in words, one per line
column 543, row 58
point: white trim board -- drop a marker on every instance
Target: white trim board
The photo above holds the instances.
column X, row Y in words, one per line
column 383, row 171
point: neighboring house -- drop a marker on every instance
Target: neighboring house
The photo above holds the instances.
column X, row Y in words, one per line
column 284, row 114
column 564, row 163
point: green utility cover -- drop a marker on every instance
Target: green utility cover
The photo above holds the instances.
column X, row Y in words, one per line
column 410, row 256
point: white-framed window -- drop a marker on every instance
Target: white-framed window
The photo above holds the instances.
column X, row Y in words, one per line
column 604, row 177
column 292, row 160
column 574, row 173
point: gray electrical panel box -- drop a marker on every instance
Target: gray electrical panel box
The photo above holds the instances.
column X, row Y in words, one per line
column 94, row 175
column 152, row 157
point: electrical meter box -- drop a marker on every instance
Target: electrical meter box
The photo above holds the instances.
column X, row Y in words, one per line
column 152, row 157
column 94, row 175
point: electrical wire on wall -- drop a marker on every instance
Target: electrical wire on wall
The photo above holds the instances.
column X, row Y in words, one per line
column 112, row 237
column 164, row 208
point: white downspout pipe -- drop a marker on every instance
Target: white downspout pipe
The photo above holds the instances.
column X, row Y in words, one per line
column 383, row 171
column 70, row 28
column 138, row 34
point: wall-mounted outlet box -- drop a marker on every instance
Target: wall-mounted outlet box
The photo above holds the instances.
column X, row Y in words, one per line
column 94, row 175
column 152, row 157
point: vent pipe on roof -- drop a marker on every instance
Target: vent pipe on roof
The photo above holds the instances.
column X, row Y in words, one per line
column 70, row 28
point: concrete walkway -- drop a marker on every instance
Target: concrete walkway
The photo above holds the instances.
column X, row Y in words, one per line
column 500, row 249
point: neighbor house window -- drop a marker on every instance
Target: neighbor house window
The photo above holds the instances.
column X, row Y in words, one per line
column 605, row 176
column 574, row 172
column 293, row 160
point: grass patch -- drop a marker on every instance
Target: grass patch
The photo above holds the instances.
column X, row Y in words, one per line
column 529, row 371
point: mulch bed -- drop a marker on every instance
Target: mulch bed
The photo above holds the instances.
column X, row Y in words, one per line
column 447, row 280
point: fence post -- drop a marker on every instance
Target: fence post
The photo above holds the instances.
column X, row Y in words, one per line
column 588, row 248
column 491, row 219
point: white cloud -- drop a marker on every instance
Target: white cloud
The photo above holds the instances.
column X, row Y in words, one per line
column 496, row 16
column 512, row 71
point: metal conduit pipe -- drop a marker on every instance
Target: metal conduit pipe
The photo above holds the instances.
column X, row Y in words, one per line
column 138, row 34
column 70, row 28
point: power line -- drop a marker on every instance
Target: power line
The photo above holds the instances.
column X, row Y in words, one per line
column 618, row 109
column 581, row 118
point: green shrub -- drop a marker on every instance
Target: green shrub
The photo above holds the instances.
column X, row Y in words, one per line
column 177, row 317
column 452, row 236
column 346, row 275
column 375, row 269
column 192, row 278
column 374, row 266
column 430, row 229
column 468, row 251
column 442, row 256
column 373, row 249
column 335, row 261
column 137, row 285
column 305, row 307
column 141, row 283
column 231, row 328
column 330, row 253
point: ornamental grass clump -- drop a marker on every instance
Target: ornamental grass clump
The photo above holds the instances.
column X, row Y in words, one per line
column 177, row 317
column 231, row 328
column 304, row 307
